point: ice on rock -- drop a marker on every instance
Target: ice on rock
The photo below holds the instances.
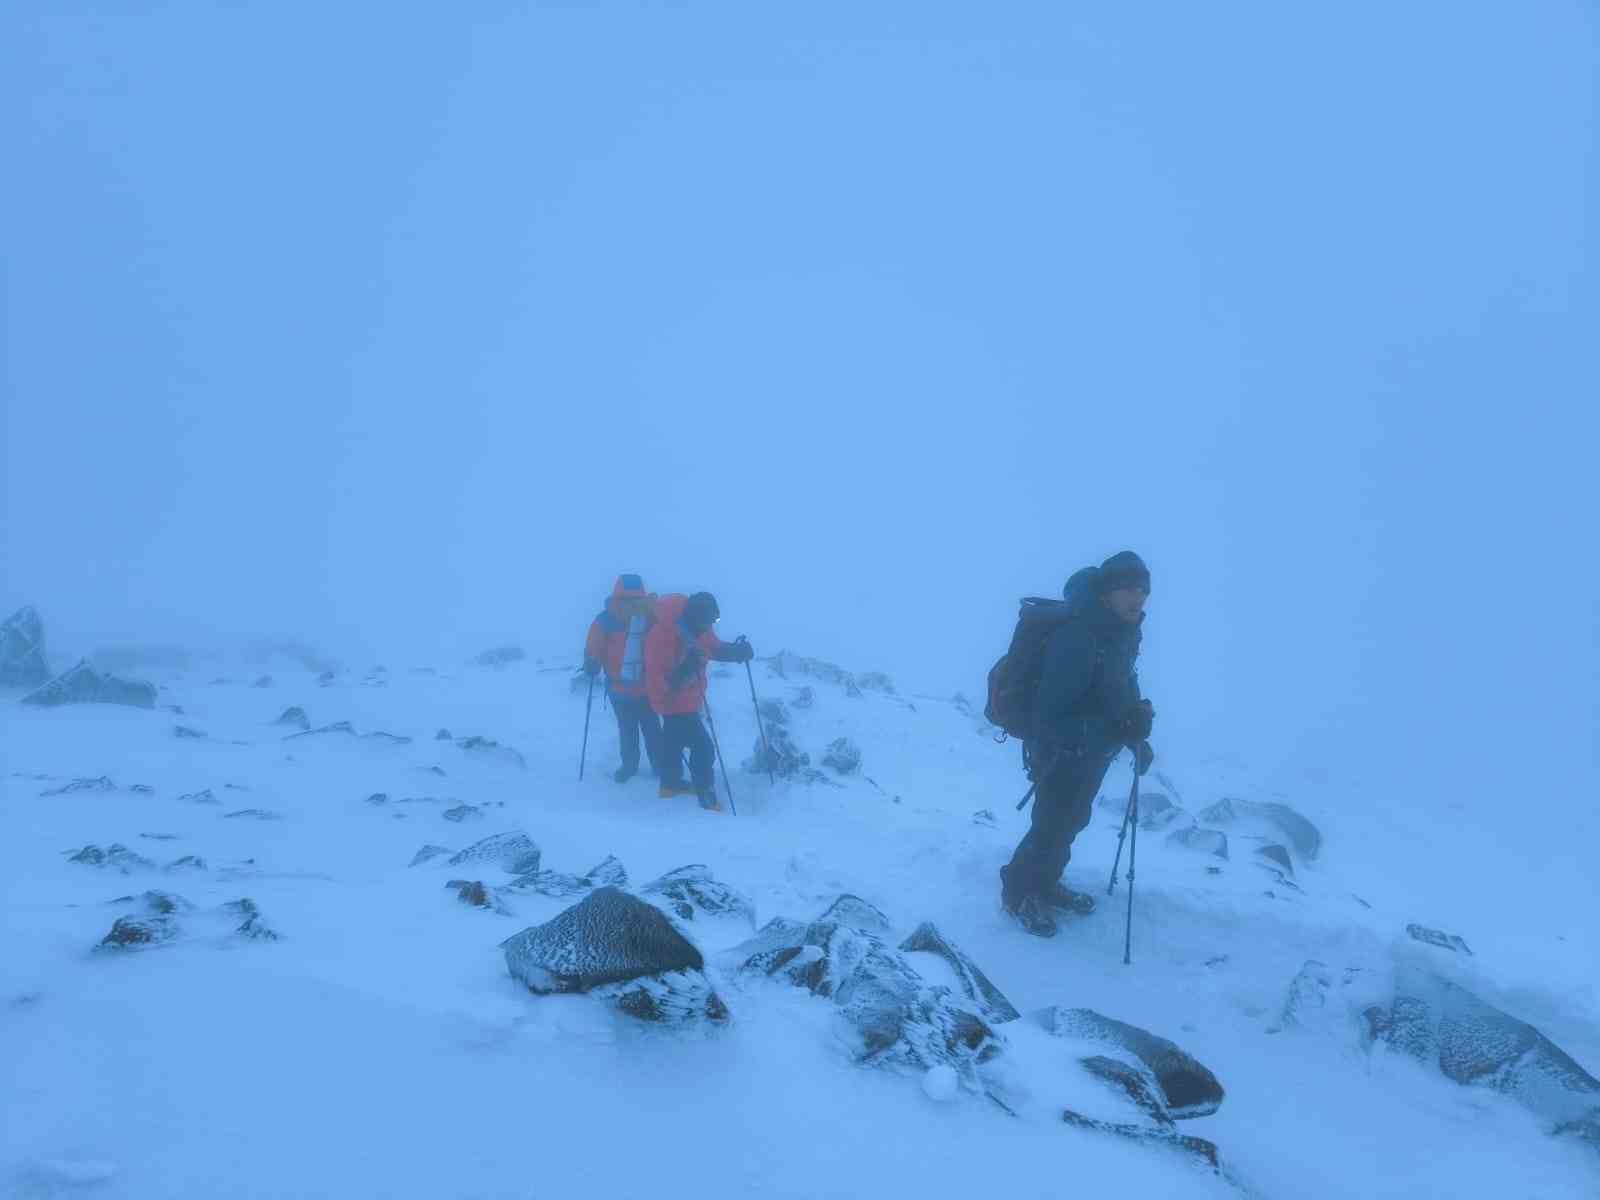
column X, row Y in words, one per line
column 1188, row 1087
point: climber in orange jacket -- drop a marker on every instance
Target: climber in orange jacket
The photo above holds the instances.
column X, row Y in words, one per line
column 676, row 651
column 616, row 645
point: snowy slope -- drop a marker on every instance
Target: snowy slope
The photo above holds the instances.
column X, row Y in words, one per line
column 379, row 1048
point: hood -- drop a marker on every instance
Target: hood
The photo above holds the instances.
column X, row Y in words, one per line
column 628, row 587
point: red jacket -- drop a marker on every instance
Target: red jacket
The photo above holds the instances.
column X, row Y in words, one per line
column 607, row 643
column 665, row 648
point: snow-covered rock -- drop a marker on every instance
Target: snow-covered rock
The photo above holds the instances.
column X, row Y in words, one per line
column 489, row 750
column 115, row 857
column 84, row 685
column 1268, row 819
column 990, row 1002
column 22, row 657
column 1187, row 1086
column 843, row 756
column 295, row 717
column 500, row 656
column 608, row 937
column 1437, row 937
column 513, row 852
column 690, row 892
column 1472, row 1042
column 1203, row 841
column 428, row 854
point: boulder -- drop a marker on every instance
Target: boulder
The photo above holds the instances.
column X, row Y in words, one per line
column 463, row 812
column 1325, row 999
column 1187, row 1087
column 556, row 884
column 189, row 862
column 492, row 751
column 139, row 933
column 203, row 796
column 101, row 783
column 1199, row 1148
column 778, row 755
column 608, row 937
column 514, row 852
column 84, row 685
column 115, row 857
column 609, row 872
column 295, row 717
column 1269, row 818
column 443, row 736
column 428, row 854
column 1476, row 1044
column 673, row 997
column 776, row 944
column 252, row 925
column 691, row 892
column 1133, row 1083
column 1204, row 841
column 856, row 913
column 188, row 731
column 988, row 1000
column 500, row 656
column 1277, row 857
column 843, row 756
column 22, row 659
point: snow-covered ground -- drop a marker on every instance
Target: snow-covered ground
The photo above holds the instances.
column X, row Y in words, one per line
column 378, row 1046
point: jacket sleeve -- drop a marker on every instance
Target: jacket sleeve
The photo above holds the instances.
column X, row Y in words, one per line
column 717, row 649
column 1065, row 678
column 594, row 646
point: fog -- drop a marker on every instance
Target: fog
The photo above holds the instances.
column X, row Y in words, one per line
column 404, row 331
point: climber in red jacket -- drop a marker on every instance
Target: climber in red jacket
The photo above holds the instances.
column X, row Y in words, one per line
column 616, row 645
column 676, row 651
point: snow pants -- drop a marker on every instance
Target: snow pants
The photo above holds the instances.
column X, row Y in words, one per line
column 680, row 732
column 637, row 721
column 1063, row 802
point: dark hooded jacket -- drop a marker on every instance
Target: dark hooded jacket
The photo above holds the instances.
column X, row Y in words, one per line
column 1088, row 680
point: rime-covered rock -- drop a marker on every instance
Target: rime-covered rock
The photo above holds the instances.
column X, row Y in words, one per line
column 856, row 913
column 1277, row 857
column 337, row 728
column 671, row 998
column 139, row 933
column 776, row 944
column 608, row 937
column 1198, row 1148
column 428, row 854
column 463, row 812
column 608, row 872
column 1269, row 819
column 252, row 924
column 1437, row 937
column 22, row 657
column 802, row 697
column 1327, row 1000
column 501, row 656
column 443, row 736
column 691, row 892
column 843, row 756
column 295, row 717
column 203, row 796
column 101, row 783
column 989, row 1001
column 1476, row 1044
column 778, row 755
column 489, row 750
column 84, row 685
column 189, row 862
column 513, row 852
column 1188, row 1088
column 188, row 731
column 556, row 884
column 773, row 712
column 115, row 857
column 1132, row 1082
column 1204, row 841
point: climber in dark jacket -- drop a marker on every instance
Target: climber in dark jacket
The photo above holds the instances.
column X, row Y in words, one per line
column 1087, row 709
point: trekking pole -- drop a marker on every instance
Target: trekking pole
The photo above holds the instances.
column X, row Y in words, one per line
column 1117, row 862
column 1133, row 853
column 766, row 750
column 721, row 762
column 1026, row 796
column 588, row 707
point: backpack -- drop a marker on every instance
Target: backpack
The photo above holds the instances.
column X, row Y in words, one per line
column 1014, row 678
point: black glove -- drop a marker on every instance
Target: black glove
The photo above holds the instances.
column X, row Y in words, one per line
column 1144, row 756
column 1135, row 725
column 591, row 667
column 743, row 651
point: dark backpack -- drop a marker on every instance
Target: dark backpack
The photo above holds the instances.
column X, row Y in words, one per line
column 1014, row 679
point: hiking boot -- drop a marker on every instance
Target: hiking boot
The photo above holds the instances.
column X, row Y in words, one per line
column 1034, row 916
column 625, row 773
column 1061, row 896
column 709, row 801
column 668, row 790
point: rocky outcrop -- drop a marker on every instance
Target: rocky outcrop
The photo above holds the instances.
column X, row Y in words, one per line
column 84, row 685
column 1271, row 820
column 1204, row 841
column 1437, row 937
column 489, row 750
column 22, row 658
column 294, row 717
column 989, row 1001
column 843, row 756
